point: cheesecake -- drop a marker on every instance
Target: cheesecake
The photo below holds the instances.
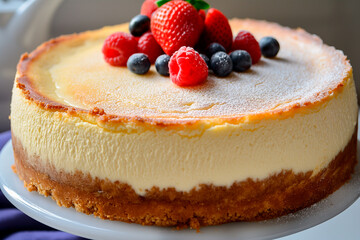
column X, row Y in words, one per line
column 140, row 149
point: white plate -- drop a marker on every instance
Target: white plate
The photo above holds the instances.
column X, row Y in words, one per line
column 48, row 212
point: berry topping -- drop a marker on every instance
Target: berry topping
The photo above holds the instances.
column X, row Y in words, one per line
column 198, row 4
column 241, row 60
column 246, row 41
column 221, row 64
column 217, row 29
column 187, row 68
column 148, row 7
column 214, row 48
column 162, row 65
column 139, row 25
column 269, row 47
column 206, row 59
column 118, row 47
column 138, row 63
column 176, row 24
column 148, row 45
column 202, row 14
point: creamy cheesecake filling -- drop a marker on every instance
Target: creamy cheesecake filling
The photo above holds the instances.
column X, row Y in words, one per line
column 183, row 159
column 295, row 112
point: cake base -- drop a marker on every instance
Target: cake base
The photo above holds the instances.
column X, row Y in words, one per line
column 249, row 200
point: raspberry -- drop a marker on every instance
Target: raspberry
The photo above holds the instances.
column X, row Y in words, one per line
column 148, row 7
column 118, row 47
column 187, row 67
column 148, row 45
column 246, row 41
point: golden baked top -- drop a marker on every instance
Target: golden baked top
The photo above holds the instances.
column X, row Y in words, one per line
column 69, row 73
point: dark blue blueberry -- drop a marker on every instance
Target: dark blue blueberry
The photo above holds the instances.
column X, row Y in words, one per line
column 269, row 47
column 221, row 64
column 214, row 48
column 139, row 25
column 241, row 60
column 138, row 63
column 162, row 65
column 206, row 59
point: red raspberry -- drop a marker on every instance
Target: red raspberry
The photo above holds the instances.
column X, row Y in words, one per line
column 148, row 45
column 118, row 47
column 246, row 41
column 148, row 7
column 187, row 67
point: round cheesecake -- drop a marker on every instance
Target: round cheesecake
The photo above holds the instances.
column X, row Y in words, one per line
column 248, row 147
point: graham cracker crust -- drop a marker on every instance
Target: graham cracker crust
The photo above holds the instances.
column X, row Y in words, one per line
column 250, row 200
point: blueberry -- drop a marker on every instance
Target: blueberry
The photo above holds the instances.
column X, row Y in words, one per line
column 138, row 63
column 221, row 64
column 241, row 60
column 139, row 25
column 269, row 47
column 206, row 59
column 162, row 65
column 214, row 48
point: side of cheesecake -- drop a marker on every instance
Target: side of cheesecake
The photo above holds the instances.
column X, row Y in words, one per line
column 140, row 149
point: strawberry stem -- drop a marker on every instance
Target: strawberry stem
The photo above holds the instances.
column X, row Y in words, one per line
column 161, row 2
column 198, row 4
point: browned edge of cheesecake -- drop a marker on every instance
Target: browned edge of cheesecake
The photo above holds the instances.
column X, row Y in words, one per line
column 249, row 200
column 26, row 84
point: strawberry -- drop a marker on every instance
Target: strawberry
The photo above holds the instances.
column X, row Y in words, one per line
column 118, row 47
column 202, row 14
column 217, row 29
column 244, row 40
column 148, row 7
column 176, row 24
column 148, row 45
column 187, row 67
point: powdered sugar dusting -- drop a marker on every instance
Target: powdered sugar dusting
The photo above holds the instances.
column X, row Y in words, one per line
column 304, row 71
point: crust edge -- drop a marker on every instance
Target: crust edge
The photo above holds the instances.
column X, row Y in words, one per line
column 250, row 200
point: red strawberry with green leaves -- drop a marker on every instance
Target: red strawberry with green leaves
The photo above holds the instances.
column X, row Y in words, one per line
column 177, row 23
column 217, row 30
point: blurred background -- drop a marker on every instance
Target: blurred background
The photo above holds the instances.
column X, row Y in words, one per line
column 24, row 24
